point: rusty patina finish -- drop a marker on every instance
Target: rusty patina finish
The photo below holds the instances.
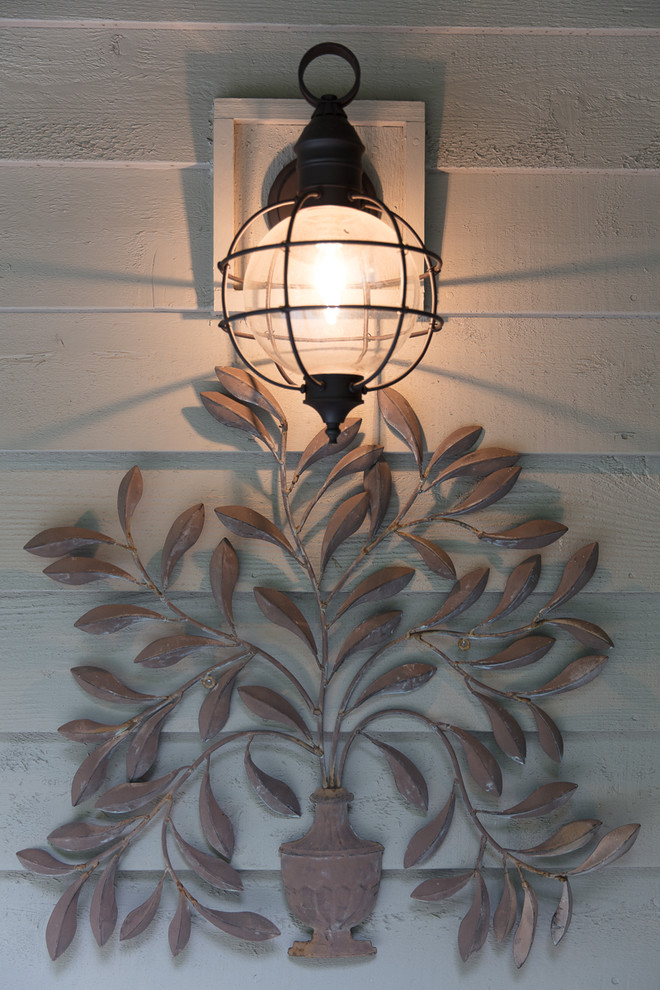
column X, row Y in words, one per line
column 354, row 649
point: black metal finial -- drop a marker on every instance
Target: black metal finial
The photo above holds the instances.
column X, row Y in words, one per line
column 329, row 48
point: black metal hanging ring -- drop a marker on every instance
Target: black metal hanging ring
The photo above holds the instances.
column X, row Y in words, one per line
column 329, row 48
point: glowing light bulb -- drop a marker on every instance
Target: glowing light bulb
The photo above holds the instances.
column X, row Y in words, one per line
column 330, row 278
column 344, row 279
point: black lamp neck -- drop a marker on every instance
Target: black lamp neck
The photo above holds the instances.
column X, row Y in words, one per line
column 329, row 156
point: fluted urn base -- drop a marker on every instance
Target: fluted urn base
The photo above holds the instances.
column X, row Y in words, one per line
column 331, row 878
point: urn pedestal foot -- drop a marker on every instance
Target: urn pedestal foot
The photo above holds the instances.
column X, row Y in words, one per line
column 332, row 945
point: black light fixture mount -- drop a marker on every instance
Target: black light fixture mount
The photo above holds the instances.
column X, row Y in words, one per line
column 329, row 281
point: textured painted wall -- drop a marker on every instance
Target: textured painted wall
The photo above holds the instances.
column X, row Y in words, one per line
column 543, row 160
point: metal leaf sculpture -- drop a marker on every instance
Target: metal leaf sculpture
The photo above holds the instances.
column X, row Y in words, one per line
column 330, row 521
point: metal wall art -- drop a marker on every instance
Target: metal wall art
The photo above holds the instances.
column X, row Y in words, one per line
column 359, row 642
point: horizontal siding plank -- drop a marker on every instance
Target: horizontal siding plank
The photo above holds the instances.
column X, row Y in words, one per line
column 98, row 238
column 614, row 923
column 492, row 99
column 545, row 243
column 624, row 490
column 424, row 13
column 617, row 776
column 39, row 694
column 512, row 243
column 137, row 379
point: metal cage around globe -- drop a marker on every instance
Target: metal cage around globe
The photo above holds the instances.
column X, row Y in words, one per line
column 330, row 290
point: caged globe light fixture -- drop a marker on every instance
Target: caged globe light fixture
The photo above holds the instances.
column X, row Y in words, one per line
column 329, row 282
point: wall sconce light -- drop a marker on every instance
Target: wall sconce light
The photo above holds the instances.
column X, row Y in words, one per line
column 330, row 282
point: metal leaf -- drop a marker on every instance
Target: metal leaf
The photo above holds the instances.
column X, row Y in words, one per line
column 178, row 933
column 370, row 634
column 248, row 523
column 362, row 458
column 62, row 923
column 84, row 570
column 139, row 919
column 270, row 705
column 216, row 826
column 577, row 673
column 320, row 447
column 92, row 771
column 454, row 445
column 561, row 919
column 585, row 632
column 130, row 797
column 64, row 539
column 541, row 801
column 144, row 744
column 478, row 464
column 531, row 535
column 440, row 888
column 40, row 861
column 235, row 415
column 241, row 924
column 571, row 836
column 169, row 650
column 87, row 731
column 105, row 686
column 430, row 836
column 464, row 594
column 344, row 521
column 103, row 908
column 550, row 737
column 504, row 917
column 435, row 558
column 508, row 734
column 494, row 487
column 223, row 572
column 520, row 584
column 112, row 618
column 473, row 930
column 524, row 937
column 399, row 680
column 211, row 868
column 578, row 571
column 128, row 497
column 385, row 583
column 611, row 847
column 400, row 417
column 282, row 611
column 82, row 836
column 275, row 794
column 377, row 482
column 521, row 653
column 409, row 781
column 483, row 766
column 214, row 710
column 247, row 388
column 184, row 533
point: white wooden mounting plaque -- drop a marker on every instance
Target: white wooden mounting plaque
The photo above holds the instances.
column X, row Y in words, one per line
column 254, row 139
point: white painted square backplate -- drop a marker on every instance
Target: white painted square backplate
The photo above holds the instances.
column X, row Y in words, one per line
column 254, row 139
